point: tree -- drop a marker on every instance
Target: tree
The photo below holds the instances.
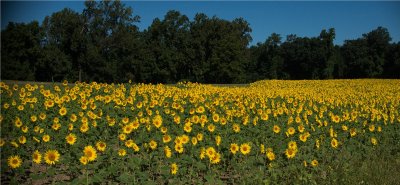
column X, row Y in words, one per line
column 365, row 57
column 63, row 43
column 113, row 41
column 170, row 45
column 20, row 51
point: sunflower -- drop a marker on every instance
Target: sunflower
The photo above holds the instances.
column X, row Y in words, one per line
column 153, row 144
column 245, row 148
column 90, row 153
column 166, row 138
column 84, row 127
column 353, row 132
column 199, row 136
column 73, row 118
column 291, row 130
column 236, row 128
column 129, row 143
column 174, row 168
column 314, row 163
column 127, row 129
column 234, row 148
column 303, row 137
column 2, row 142
column 83, row 160
column 24, row 129
column 270, row 155
column 33, row 118
column 157, row 121
column 200, row 110
column 188, row 127
column 121, row 152
column 101, row 146
column 179, row 148
column 374, row 141
column 122, row 137
column 194, row 141
column 276, row 129
column 62, row 111
column 215, row 117
column 371, row 128
column 46, row 138
column 37, row 157
column 185, row 139
column 14, row 161
column 70, row 138
column 334, row 143
column 22, row 139
column 202, row 153
column 210, row 152
column 264, row 117
column 18, row 123
column 164, row 130
column 215, row 159
column 211, row 127
column 290, row 153
column 167, row 152
column 51, row 157
column 135, row 147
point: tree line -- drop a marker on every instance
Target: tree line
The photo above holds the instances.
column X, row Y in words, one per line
column 104, row 44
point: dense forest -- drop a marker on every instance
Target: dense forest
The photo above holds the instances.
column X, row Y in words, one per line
column 104, row 44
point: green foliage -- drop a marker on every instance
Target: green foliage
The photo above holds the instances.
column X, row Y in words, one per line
column 104, row 44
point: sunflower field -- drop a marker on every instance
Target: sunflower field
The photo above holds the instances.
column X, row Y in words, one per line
column 267, row 132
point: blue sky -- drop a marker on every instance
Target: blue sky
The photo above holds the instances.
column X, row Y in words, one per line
column 350, row 19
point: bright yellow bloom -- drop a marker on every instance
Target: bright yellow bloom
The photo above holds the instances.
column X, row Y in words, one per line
column 270, row 155
column 179, row 148
column 121, row 152
column 374, row 141
column 37, row 157
column 215, row 159
column 70, row 138
column 153, row 144
column 236, row 128
column 194, row 141
column 234, row 148
column 101, row 146
column 62, row 111
column 210, row 152
column 90, row 153
column 200, row 136
column 84, row 160
column 334, row 143
column 174, row 168
column 22, row 139
column 218, row 140
column 245, row 148
column 14, row 161
column 290, row 153
column 314, row 163
column 122, row 137
column 51, row 157
column 46, row 138
column 291, row 130
column 276, row 129
column 292, row 145
column 167, row 152
column 166, row 138
column 211, row 127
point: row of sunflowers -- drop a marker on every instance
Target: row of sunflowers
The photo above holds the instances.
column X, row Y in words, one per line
column 188, row 132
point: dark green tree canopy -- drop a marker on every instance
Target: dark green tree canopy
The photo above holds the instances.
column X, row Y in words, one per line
column 103, row 43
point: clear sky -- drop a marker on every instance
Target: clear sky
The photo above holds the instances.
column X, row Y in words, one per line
column 350, row 19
